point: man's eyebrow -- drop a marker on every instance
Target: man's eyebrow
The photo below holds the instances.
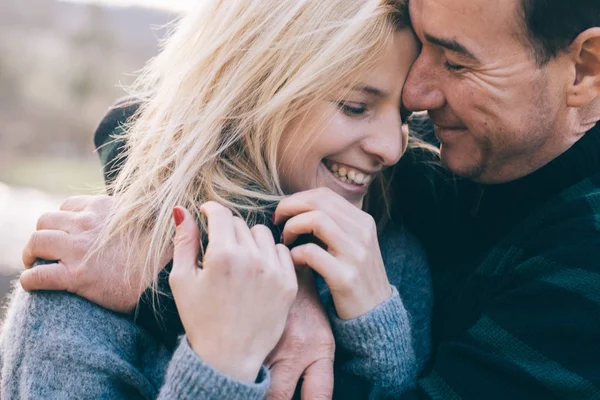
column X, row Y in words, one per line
column 370, row 90
column 451, row 45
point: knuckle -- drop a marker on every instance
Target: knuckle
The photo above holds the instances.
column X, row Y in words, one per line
column 36, row 241
column 361, row 255
column 33, row 280
column 349, row 279
column 43, row 220
column 297, row 343
column 86, row 221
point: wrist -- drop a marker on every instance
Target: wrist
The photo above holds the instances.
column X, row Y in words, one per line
column 356, row 304
column 241, row 367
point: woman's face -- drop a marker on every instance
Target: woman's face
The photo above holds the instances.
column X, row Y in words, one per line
column 344, row 145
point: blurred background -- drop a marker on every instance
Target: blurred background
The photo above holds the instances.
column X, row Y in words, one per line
column 62, row 65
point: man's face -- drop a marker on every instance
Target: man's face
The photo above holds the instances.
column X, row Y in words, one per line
column 498, row 115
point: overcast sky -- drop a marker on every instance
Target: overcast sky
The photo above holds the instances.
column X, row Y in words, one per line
column 166, row 4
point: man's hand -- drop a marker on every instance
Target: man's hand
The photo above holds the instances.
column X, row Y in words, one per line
column 306, row 349
column 66, row 236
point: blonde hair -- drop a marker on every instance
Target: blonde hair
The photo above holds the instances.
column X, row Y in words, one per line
column 216, row 100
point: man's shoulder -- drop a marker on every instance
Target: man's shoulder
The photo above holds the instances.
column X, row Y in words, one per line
column 115, row 119
column 108, row 136
column 563, row 234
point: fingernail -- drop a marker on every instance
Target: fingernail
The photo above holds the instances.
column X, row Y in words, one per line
column 178, row 216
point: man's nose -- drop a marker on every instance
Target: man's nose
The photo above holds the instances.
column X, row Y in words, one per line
column 422, row 90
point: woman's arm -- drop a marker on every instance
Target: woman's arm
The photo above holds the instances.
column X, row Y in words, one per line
column 381, row 352
column 55, row 345
column 371, row 322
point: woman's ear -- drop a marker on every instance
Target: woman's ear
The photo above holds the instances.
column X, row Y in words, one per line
column 586, row 56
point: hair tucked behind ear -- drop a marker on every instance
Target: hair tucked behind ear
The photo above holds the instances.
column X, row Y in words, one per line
column 215, row 101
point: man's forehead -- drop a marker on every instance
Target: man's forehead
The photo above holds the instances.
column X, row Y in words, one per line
column 466, row 18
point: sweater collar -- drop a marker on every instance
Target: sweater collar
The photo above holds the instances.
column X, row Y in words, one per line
column 504, row 204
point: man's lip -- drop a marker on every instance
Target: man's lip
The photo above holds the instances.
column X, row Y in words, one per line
column 452, row 128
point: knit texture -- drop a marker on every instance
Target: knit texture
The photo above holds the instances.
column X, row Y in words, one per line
column 55, row 345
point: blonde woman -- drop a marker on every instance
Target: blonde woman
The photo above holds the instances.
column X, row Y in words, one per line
column 249, row 104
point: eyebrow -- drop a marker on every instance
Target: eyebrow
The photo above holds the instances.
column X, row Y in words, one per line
column 451, row 45
column 370, row 90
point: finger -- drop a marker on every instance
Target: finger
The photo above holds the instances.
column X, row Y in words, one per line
column 310, row 200
column 321, row 261
column 265, row 242
column 242, row 233
column 318, row 381
column 221, row 229
column 187, row 244
column 57, row 220
column 46, row 277
column 284, row 378
column 286, row 262
column 319, row 224
column 47, row 245
column 75, row 203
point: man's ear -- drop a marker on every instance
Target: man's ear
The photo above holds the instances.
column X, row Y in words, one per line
column 586, row 55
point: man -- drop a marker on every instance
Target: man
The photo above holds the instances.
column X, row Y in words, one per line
column 512, row 88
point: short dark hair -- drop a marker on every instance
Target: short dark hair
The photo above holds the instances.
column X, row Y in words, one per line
column 552, row 25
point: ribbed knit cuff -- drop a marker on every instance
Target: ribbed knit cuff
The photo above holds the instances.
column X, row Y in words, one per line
column 188, row 377
column 379, row 343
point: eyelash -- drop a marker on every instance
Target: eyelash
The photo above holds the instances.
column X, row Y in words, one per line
column 352, row 111
column 453, row 67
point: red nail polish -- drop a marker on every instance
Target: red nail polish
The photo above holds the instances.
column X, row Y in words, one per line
column 178, row 216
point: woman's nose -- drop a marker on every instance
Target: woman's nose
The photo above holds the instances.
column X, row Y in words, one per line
column 385, row 144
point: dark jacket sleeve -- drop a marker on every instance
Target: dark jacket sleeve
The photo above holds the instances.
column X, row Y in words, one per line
column 108, row 137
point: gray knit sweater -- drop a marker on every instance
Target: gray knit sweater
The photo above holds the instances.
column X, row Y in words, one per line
column 55, row 345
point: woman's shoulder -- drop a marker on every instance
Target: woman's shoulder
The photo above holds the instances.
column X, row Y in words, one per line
column 58, row 345
column 58, row 328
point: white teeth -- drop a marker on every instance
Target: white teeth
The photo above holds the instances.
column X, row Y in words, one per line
column 359, row 178
column 348, row 175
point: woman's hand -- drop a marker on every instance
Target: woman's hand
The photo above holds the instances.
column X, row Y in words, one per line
column 235, row 308
column 351, row 265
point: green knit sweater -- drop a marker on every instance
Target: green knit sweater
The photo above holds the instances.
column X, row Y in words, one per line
column 516, row 275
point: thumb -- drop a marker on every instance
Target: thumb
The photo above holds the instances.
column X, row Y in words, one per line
column 318, row 380
column 46, row 277
column 187, row 242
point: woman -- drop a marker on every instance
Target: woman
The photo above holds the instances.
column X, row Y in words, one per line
column 249, row 101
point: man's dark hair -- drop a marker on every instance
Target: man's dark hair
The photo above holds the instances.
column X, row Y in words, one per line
column 552, row 25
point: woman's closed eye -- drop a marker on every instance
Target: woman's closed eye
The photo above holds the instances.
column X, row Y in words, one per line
column 352, row 109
